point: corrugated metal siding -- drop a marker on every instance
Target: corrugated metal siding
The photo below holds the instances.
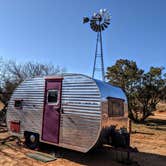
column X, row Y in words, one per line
column 32, row 93
column 80, row 121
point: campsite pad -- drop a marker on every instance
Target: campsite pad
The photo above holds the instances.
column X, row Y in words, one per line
column 41, row 157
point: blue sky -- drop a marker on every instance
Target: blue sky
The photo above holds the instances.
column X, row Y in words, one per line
column 51, row 31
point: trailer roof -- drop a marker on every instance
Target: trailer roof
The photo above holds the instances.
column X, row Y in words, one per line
column 108, row 90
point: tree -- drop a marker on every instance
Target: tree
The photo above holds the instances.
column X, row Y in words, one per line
column 7, row 91
column 143, row 90
column 150, row 91
column 13, row 74
column 21, row 72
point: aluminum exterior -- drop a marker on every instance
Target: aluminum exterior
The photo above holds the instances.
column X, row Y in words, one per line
column 80, row 117
column 81, row 114
column 108, row 90
column 32, row 93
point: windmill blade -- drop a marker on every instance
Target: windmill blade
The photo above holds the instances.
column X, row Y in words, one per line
column 109, row 16
column 108, row 20
column 92, row 25
column 105, row 25
column 101, row 11
column 95, row 28
column 102, row 27
column 92, row 22
column 108, row 23
column 105, row 10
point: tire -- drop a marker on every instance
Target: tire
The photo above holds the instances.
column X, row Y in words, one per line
column 31, row 140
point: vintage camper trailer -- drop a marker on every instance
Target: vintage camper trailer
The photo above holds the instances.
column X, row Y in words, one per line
column 72, row 111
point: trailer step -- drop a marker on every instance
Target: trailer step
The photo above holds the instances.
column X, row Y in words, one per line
column 41, row 157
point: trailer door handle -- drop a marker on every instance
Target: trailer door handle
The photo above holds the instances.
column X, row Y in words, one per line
column 61, row 111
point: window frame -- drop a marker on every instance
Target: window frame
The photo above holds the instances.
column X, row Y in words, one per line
column 53, row 103
column 19, row 107
column 111, row 102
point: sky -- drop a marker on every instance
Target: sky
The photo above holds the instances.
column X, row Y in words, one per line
column 51, row 31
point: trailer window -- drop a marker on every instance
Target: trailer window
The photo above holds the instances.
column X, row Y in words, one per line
column 52, row 97
column 115, row 107
column 18, row 104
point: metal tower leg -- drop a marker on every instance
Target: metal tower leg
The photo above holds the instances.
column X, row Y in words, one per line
column 99, row 54
column 102, row 59
column 94, row 66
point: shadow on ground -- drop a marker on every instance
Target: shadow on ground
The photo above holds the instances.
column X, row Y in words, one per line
column 105, row 156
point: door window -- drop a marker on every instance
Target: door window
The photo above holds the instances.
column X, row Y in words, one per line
column 52, row 97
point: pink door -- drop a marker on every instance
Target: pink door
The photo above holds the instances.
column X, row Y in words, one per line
column 52, row 106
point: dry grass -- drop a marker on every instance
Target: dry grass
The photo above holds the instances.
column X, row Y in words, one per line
column 161, row 107
column 150, row 137
column 150, row 140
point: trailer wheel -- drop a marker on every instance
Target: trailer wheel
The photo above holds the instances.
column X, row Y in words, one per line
column 31, row 140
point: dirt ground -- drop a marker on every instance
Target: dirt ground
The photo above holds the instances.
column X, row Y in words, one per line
column 149, row 139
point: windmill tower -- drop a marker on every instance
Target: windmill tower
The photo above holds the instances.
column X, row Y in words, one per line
column 98, row 23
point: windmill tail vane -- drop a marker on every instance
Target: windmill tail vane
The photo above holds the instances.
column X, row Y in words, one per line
column 98, row 23
column 85, row 20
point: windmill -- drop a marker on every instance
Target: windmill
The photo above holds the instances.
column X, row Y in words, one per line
column 98, row 23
